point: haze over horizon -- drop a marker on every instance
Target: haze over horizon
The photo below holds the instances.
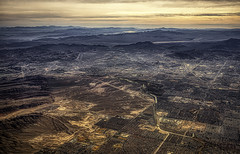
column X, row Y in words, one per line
column 122, row 13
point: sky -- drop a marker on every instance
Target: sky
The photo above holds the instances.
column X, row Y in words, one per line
column 122, row 13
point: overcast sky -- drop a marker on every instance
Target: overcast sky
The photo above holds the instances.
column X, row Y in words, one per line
column 156, row 13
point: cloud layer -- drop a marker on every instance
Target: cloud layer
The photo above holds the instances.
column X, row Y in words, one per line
column 95, row 12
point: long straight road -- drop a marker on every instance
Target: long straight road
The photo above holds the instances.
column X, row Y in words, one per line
column 164, row 131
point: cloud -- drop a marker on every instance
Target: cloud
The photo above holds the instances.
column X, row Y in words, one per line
column 200, row 14
column 55, row 15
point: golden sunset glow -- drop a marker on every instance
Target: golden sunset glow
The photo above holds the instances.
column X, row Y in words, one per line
column 149, row 13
